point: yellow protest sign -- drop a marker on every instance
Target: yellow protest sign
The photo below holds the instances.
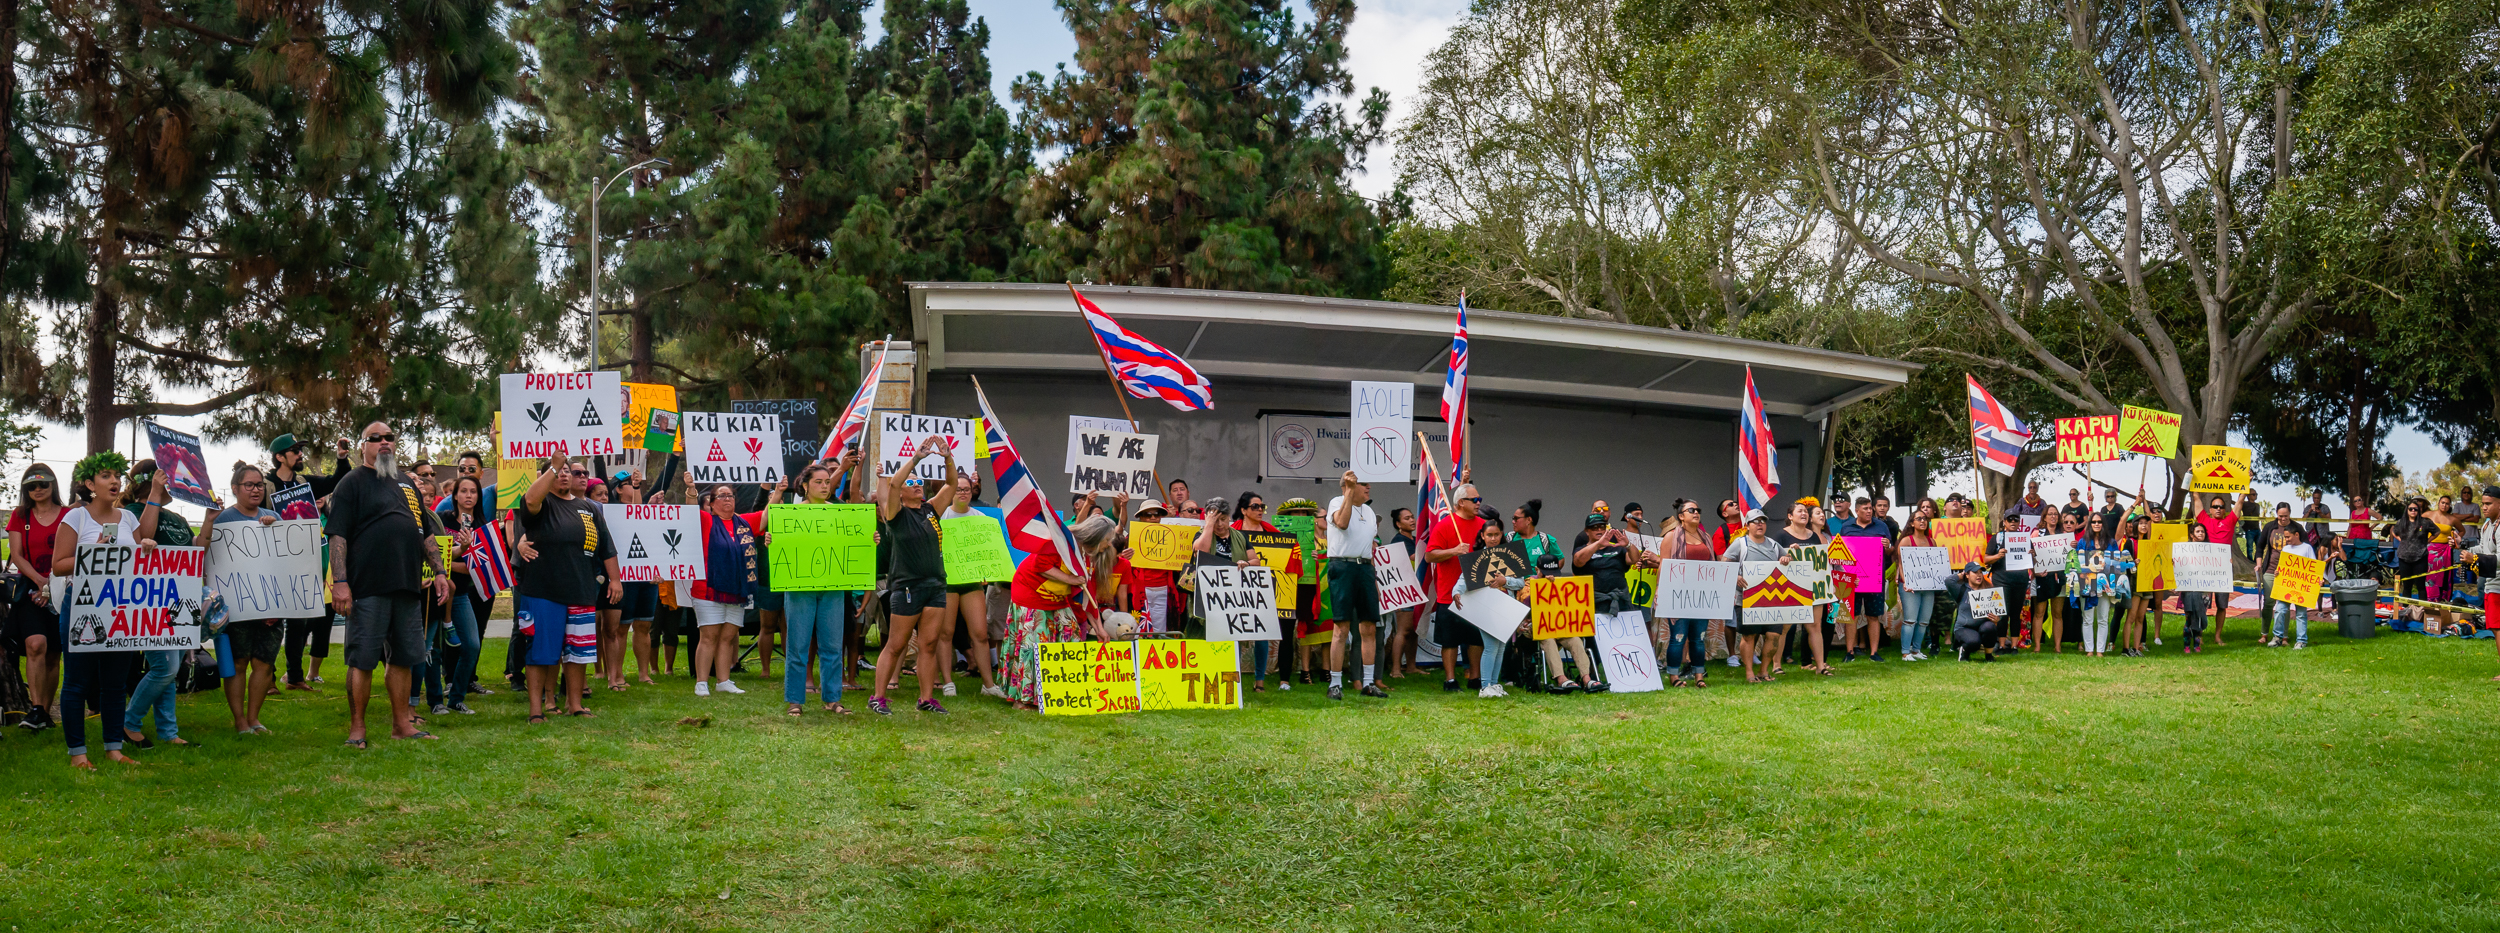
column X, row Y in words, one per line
column 1563, row 607
column 1085, row 678
column 641, row 399
column 1160, row 547
column 2146, row 431
column 524, row 465
column 2152, row 557
column 425, row 572
column 2297, row 579
column 1177, row 674
column 2219, row 469
column 2088, row 439
column 1964, row 540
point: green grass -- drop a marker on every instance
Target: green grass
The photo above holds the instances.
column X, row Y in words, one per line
column 2344, row 787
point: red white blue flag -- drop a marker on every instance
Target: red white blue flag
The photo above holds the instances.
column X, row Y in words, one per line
column 1145, row 368
column 1032, row 526
column 1454, row 395
column 490, row 566
column 853, row 423
column 1996, row 435
column 1757, row 459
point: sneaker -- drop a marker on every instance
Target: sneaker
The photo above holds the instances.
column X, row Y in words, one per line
column 1871, row 656
column 1282, row 684
column 2157, row 641
column 1336, row 691
column 480, row 690
column 728, row 687
column 1449, row 686
column 878, row 706
column 441, row 710
column 994, row 690
column 462, row 709
column 1373, row 690
column 1499, row 690
column 1475, row 683
column 2299, row 645
column 702, row 689
column 947, row 688
column 932, row 706
column 1733, row 662
column 1489, row 692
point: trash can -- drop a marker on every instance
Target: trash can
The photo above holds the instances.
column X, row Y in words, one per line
column 2356, row 607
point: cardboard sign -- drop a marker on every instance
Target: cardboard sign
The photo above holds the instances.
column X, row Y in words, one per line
column 1490, row 610
column 2296, row 580
column 1395, row 569
column 801, row 431
column 816, row 548
column 2214, row 468
column 1988, row 602
column 1926, row 569
column 1563, row 607
column 178, row 457
column 267, row 571
column 2017, row 550
column 1160, row 547
column 1077, row 423
column 574, row 414
column 2048, row 552
column 1697, row 589
column 728, row 447
column 120, row 598
column 1115, row 462
column 2089, row 439
column 649, row 406
column 2152, row 561
column 1384, row 430
column 1240, row 603
column 1087, row 678
column 1277, row 550
column 1305, row 531
column 1192, row 674
column 1865, row 564
column 976, row 549
column 1623, row 650
column 1771, row 597
column 900, row 435
column 2147, row 431
column 2199, row 567
column 1964, row 539
column 1810, row 567
column 657, row 542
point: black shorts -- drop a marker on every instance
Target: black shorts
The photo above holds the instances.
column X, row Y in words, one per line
column 255, row 640
column 388, row 630
column 905, row 599
column 1449, row 631
column 958, row 589
column 1870, row 604
column 1353, row 590
column 26, row 619
column 642, row 601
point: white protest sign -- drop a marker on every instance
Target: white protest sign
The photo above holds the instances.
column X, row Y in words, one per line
column 2028, row 521
column 1114, row 462
column 1623, row 649
column 660, row 542
column 125, row 599
column 1240, row 603
column 900, row 436
column 2018, row 550
column 2200, row 567
column 1696, row 589
column 575, row 414
column 1491, row 610
column 1926, row 568
column 1773, row 595
column 1396, row 572
column 1078, row 423
column 1384, row 429
column 267, row 571
column 2048, row 552
column 1988, row 602
column 731, row 447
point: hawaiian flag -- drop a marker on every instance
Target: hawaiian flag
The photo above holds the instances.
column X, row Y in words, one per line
column 1432, row 502
column 1032, row 526
column 1454, row 394
column 853, row 424
column 1757, row 460
column 490, row 566
column 1144, row 368
column 1995, row 434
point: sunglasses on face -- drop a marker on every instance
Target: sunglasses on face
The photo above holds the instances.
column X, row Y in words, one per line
column 1253, row 507
column 1479, row 500
column 381, row 438
column 1690, row 510
column 39, row 484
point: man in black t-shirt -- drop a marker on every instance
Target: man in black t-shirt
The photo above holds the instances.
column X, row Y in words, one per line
column 556, row 592
column 380, row 534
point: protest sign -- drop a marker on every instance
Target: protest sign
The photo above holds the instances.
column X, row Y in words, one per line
column 2214, row 468
column 975, row 546
column 574, row 414
column 900, row 435
column 2017, row 550
column 2148, row 431
column 2048, row 552
column 1078, row 423
column 1395, row 570
column 1696, row 589
column 2152, row 560
column 1085, row 678
column 1925, row 568
column 1240, row 603
column 1277, row 550
column 822, row 547
column 728, row 447
column 1509, row 560
column 1305, row 531
column 1563, row 607
column 2200, row 567
column 1383, row 427
column 1115, row 462
column 1811, row 567
column 1158, row 546
column 651, row 417
column 1491, row 610
column 125, row 599
column 178, row 457
column 2297, row 579
column 1771, row 597
column 657, row 542
column 1643, row 583
column 1988, row 601
column 800, row 429
column 1864, row 564
column 2089, row 439
column 267, row 571
column 1623, row 650
column 1964, row 539
column 1190, row 674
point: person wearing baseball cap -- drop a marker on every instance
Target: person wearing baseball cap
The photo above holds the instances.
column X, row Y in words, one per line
column 289, row 485
column 1973, row 631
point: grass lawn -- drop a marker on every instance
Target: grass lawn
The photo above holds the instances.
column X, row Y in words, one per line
column 2345, row 787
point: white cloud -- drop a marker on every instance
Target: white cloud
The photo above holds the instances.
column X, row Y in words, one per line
column 1385, row 48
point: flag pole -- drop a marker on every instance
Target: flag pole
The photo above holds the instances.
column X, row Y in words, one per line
column 1122, row 393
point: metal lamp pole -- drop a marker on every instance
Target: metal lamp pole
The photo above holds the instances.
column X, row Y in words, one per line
column 596, row 192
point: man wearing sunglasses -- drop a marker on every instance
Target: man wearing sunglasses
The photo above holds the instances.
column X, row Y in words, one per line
column 380, row 534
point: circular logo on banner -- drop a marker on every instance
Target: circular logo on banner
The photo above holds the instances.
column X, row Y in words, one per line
column 1292, row 446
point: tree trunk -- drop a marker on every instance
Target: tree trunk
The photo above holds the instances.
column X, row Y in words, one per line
column 103, row 321
column 642, row 358
column 8, row 127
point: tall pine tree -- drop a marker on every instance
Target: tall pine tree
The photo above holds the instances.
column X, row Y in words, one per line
column 962, row 159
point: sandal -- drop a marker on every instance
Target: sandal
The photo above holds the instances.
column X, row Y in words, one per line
column 538, row 718
column 1698, row 682
column 837, row 709
column 355, row 743
column 586, row 714
column 419, row 734
column 795, row 711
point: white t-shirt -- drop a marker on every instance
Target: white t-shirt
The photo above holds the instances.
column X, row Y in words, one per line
column 91, row 531
column 2302, row 550
column 1356, row 538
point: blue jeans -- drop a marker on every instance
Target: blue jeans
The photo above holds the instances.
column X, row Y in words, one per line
column 1917, row 606
column 812, row 622
column 2297, row 614
column 1258, row 658
column 1688, row 650
column 455, row 666
column 155, row 690
column 1489, row 669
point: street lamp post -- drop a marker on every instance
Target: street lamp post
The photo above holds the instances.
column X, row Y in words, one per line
column 596, row 192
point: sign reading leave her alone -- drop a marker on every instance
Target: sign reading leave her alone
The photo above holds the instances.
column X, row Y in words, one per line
column 1623, row 650
column 1988, row 601
column 1085, row 678
column 1564, row 607
column 1771, row 597
column 1964, row 539
column 1159, row 547
column 574, row 414
column 728, row 447
column 178, row 458
column 267, row 571
column 901, row 435
column 121, row 598
column 2088, row 439
column 976, row 549
column 1697, row 589
column 2297, row 579
column 1383, row 417
column 2201, row 567
column 1925, row 568
column 1395, row 569
column 822, row 547
column 2148, row 431
column 657, row 542
column 1191, row 674
column 1240, row 603
column 1114, row 462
